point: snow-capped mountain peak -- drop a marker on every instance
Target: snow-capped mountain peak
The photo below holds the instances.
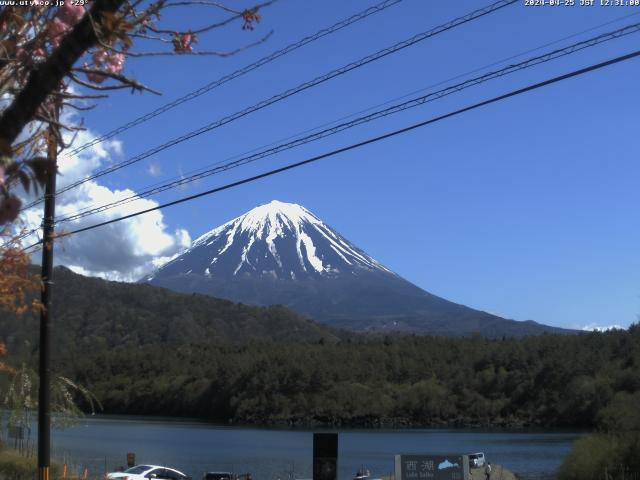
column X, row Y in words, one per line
column 279, row 240
column 281, row 253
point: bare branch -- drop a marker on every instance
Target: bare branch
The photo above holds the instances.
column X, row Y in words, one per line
column 203, row 53
column 57, row 124
column 145, row 36
column 64, row 145
column 125, row 82
column 119, row 77
column 66, row 95
column 254, row 9
column 218, row 24
column 205, row 3
column 79, row 108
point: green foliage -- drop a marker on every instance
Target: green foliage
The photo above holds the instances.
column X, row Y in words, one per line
column 603, row 456
column 590, row 458
column 622, row 415
column 92, row 315
column 411, row 380
column 145, row 350
column 14, row 466
column 21, row 399
column 615, row 452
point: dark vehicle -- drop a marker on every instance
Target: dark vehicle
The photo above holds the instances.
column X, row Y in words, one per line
column 219, row 476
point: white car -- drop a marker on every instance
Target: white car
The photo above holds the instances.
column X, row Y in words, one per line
column 146, row 472
column 476, row 459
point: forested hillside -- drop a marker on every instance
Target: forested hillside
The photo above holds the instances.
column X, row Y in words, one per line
column 92, row 315
column 560, row 381
column 145, row 350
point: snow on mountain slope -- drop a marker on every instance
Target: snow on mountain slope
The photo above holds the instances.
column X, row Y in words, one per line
column 280, row 253
column 279, row 240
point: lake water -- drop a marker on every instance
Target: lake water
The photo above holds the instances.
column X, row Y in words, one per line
column 102, row 442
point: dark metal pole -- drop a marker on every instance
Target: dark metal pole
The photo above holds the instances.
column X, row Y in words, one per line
column 44, row 398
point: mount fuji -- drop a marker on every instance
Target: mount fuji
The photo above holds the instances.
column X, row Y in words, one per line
column 280, row 253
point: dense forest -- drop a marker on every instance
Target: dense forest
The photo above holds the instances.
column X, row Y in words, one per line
column 146, row 350
column 91, row 314
column 559, row 381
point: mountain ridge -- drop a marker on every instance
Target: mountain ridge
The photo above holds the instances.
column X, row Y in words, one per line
column 91, row 314
column 281, row 253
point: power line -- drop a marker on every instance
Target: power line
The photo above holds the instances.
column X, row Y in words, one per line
column 414, row 102
column 407, row 95
column 206, row 171
column 227, row 78
column 289, row 48
column 238, row 73
column 304, row 86
column 394, row 133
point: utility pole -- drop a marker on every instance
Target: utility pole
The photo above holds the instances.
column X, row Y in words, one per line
column 44, row 396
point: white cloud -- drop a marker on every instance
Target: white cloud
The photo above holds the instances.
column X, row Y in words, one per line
column 125, row 250
column 154, row 169
column 600, row 328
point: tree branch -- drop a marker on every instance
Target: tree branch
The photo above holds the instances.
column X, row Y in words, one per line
column 220, row 24
column 46, row 78
column 59, row 125
column 203, row 53
column 103, row 88
column 126, row 81
column 204, row 3
column 78, row 107
column 66, row 95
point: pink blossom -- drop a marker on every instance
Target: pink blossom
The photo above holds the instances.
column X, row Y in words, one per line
column 183, row 43
column 2, row 174
column 99, row 57
column 57, row 29
column 70, row 13
column 107, row 61
column 26, row 58
column 9, row 209
column 115, row 63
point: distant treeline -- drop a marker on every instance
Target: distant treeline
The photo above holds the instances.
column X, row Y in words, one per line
column 146, row 350
column 550, row 380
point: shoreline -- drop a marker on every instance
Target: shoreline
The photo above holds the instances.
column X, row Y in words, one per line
column 382, row 426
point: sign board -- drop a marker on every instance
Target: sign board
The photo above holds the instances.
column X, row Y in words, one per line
column 432, row 467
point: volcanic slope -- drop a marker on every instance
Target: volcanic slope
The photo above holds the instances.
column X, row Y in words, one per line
column 280, row 253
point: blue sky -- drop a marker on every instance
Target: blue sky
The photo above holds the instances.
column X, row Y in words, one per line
column 526, row 208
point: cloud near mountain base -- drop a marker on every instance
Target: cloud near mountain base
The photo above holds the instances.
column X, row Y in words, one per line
column 124, row 250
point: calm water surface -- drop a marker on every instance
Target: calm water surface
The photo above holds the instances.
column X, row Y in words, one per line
column 102, row 442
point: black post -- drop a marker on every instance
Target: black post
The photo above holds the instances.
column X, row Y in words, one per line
column 325, row 456
column 44, row 398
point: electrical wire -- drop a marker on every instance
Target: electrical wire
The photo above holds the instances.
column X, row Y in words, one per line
column 407, row 95
column 238, row 73
column 204, row 171
column 369, row 141
column 302, row 87
column 227, row 78
column 414, row 102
